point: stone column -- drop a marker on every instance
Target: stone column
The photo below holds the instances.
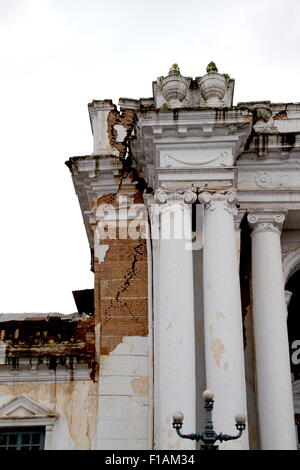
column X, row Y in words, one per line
column 174, row 330
column 223, row 329
column 48, row 437
column 273, row 375
column 237, row 227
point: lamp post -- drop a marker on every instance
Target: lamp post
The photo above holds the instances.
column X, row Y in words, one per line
column 208, row 436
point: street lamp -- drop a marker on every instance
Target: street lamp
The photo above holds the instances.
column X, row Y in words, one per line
column 209, row 437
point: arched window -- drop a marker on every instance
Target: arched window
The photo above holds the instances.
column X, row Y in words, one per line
column 293, row 323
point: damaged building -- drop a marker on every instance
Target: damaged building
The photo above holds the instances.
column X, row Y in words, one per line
column 47, row 381
column 192, row 212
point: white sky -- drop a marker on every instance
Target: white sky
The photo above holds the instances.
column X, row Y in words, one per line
column 58, row 55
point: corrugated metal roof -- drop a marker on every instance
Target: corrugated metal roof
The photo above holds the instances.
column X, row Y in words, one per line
column 5, row 317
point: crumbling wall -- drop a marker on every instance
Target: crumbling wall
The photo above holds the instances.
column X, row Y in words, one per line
column 49, row 340
column 121, row 311
column 107, row 178
column 44, row 356
column 121, row 289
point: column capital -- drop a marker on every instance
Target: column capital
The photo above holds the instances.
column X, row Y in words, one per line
column 238, row 219
column 266, row 221
column 227, row 199
column 178, row 196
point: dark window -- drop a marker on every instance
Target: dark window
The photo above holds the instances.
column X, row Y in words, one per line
column 297, row 422
column 22, row 438
column 293, row 323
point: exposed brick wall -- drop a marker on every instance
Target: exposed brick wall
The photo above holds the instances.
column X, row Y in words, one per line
column 127, row 120
column 121, row 291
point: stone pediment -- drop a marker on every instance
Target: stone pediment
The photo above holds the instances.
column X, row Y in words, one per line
column 22, row 407
column 20, row 412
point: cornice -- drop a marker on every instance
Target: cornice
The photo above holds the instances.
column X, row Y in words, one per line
column 26, row 374
column 189, row 115
column 278, row 145
column 194, row 139
column 287, row 199
column 95, row 176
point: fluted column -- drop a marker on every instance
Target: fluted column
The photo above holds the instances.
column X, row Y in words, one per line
column 224, row 351
column 174, row 335
column 274, row 389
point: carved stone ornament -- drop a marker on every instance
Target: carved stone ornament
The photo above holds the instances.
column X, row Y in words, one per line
column 188, row 196
column 264, row 180
column 266, row 222
column 227, row 201
column 208, row 158
column 212, row 68
column 212, row 86
column 261, row 113
column 174, row 86
column 263, row 120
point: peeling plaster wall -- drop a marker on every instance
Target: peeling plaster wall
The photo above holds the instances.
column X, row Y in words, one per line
column 74, row 403
column 121, row 290
column 124, row 396
column 121, row 314
column 119, row 128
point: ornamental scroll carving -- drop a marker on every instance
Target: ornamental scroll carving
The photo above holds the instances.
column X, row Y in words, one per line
column 187, row 196
column 223, row 158
column 264, row 180
column 226, row 201
column 266, row 222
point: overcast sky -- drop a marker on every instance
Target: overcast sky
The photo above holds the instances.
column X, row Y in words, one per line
column 58, row 55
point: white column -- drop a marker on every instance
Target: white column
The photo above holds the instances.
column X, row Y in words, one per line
column 237, row 227
column 274, row 388
column 48, row 437
column 174, row 331
column 223, row 329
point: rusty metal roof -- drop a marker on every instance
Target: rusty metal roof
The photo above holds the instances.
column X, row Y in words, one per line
column 6, row 317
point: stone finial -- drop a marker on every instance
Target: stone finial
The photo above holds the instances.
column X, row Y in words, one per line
column 174, row 70
column 212, row 68
column 174, row 86
column 174, row 90
column 213, row 86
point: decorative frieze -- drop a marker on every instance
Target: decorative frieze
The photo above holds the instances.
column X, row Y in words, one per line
column 191, row 157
